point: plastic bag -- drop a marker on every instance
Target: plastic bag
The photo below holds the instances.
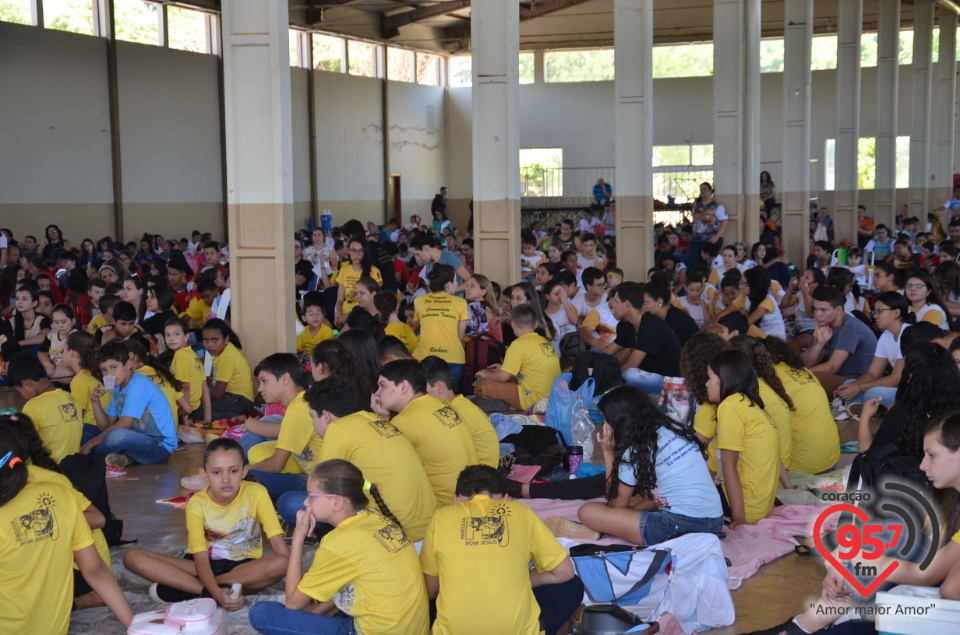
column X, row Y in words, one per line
column 560, row 407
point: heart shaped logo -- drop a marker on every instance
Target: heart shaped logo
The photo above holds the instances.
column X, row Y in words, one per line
column 864, row 591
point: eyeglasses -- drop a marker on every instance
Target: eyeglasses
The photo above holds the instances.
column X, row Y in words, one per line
column 311, row 495
column 915, row 285
column 879, row 311
column 357, row 251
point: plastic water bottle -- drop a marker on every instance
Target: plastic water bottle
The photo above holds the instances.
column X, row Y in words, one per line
column 582, row 429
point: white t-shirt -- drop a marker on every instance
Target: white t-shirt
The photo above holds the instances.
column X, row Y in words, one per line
column 888, row 347
column 583, row 263
column 927, row 308
column 561, row 326
column 695, row 311
column 580, row 302
column 3, row 244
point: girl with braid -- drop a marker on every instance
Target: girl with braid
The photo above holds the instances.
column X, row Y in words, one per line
column 366, row 567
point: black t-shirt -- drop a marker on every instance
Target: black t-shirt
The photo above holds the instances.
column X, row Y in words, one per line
column 682, row 325
column 305, row 269
column 155, row 323
column 654, row 338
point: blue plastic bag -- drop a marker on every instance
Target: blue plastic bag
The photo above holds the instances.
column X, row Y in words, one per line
column 562, row 402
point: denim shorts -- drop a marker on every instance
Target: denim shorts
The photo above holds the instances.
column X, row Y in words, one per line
column 659, row 526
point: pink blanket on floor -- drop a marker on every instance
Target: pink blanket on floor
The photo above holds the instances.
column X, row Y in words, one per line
column 747, row 547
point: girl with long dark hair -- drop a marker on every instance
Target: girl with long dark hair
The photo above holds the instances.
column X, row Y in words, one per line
column 349, row 274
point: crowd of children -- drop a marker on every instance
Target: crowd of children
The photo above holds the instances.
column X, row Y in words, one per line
column 369, row 443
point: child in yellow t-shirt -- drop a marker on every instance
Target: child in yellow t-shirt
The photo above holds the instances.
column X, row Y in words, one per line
column 231, row 382
column 347, row 276
column 36, row 589
column 105, row 317
column 80, row 356
column 442, row 318
column 318, row 329
column 226, row 524
column 366, row 552
column 187, row 368
column 746, row 437
column 53, row 411
column 388, row 307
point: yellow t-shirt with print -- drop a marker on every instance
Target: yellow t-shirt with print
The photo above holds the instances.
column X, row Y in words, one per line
column 197, row 310
column 307, row 340
column 81, row 387
column 165, row 387
column 297, row 435
column 97, row 323
column 534, row 362
column 442, row 441
column 37, row 474
column 40, row 529
column 440, row 315
column 235, row 531
column 488, row 544
column 816, row 442
column 387, row 458
column 747, row 429
column 705, row 423
column 369, row 568
column 403, row 332
column 782, row 418
column 346, row 277
column 56, row 417
column 232, row 367
column 485, row 440
column 188, row 369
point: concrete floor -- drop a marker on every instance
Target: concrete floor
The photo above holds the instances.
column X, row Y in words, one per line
column 778, row 591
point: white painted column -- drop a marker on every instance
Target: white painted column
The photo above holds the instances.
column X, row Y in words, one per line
column 633, row 45
column 495, row 36
column 946, row 112
column 259, row 160
column 736, row 115
column 849, row 29
column 888, row 74
column 920, row 172
column 794, row 190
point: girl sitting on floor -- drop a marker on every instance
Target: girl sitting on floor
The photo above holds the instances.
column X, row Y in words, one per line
column 80, row 356
column 231, row 381
column 366, row 566
column 658, row 485
column 187, row 368
column 226, row 523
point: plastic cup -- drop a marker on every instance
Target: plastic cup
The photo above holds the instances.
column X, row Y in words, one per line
column 109, row 382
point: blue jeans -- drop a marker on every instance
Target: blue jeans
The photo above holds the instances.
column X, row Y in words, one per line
column 249, row 439
column 457, row 371
column 289, row 504
column 89, row 432
column 273, row 618
column 279, row 484
column 648, row 382
column 662, row 525
column 887, row 394
column 138, row 446
column 558, row 603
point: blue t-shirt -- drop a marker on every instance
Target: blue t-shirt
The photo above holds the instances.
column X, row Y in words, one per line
column 684, row 485
column 149, row 408
column 446, row 258
column 858, row 341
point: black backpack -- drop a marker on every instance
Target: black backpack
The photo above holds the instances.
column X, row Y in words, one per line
column 603, row 367
column 87, row 473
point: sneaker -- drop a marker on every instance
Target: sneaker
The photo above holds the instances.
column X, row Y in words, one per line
column 193, row 483
column 787, row 628
column 838, row 410
column 164, row 594
column 563, row 528
column 117, row 459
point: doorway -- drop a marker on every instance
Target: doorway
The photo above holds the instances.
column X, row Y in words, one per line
column 394, row 206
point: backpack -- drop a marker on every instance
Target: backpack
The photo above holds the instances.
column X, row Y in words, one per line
column 602, row 367
column 87, row 474
column 482, row 351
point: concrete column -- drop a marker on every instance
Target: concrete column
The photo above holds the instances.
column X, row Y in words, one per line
column 946, row 112
column 888, row 74
column 633, row 46
column 495, row 36
column 849, row 29
column 259, row 163
column 920, row 172
column 736, row 114
column 794, row 183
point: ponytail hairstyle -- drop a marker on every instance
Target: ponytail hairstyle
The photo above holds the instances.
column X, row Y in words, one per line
column 343, row 478
column 140, row 354
column 33, row 446
column 764, row 365
column 737, row 375
column 13, row 472
column 947, row 430
column 218, row 325
column 85, row 346
column 66, row 309
column 386, row 304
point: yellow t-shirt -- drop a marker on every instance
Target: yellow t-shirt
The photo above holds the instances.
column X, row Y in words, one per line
column 705, row 423
column 297, row 435
column 534, row 362
column 197, row 310
column 37, row 474
column 386, row 458
column 97, row 323
column 81, row 387
column 403, row 332
column 232, row 532
column 188, row 369
column 485, row 439
column 232, row 367
column 40, row 529
column 442, row 441
column 56, row 416
column 165, row 387
column 346, row 277
column 816, row 442
column 306, row 340
column 369, row 568
column 440, row 315
column 747, row 429
column 488, row 544
column 782, row 418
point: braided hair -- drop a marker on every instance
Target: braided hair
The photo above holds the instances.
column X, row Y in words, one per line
column 27, row 433
column 764, row 365
column 343, row 478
